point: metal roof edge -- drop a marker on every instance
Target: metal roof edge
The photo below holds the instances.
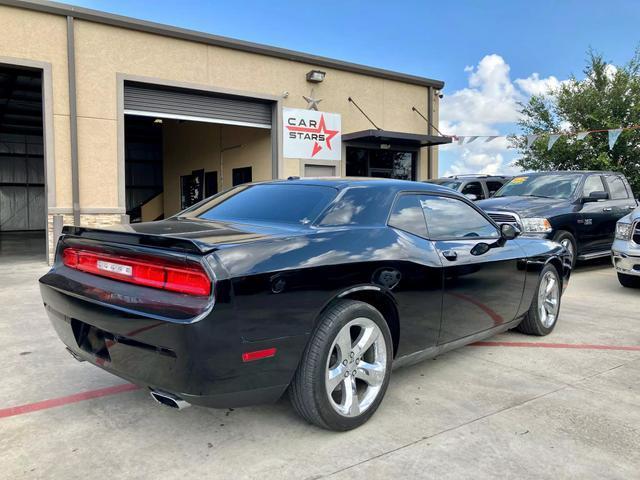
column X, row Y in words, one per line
column 217, row 40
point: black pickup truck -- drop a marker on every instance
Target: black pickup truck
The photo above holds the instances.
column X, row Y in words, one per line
column 578, row 209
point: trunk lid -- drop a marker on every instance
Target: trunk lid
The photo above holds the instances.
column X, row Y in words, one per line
column 182, row 235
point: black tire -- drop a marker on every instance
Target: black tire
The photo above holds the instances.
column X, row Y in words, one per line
column 568, row 237
column 308, row 391
column 629, row 281
column 532, row 324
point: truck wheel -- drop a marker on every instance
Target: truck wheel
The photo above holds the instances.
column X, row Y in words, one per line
column 545, row 306
column 568, row 241
column 345, row 369
column 629, row 281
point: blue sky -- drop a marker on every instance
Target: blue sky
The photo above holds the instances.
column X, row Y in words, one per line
column 490, row 54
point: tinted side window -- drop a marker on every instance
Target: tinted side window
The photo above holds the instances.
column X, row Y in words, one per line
column 473, row 188
column 593, row 183
column 493, row 187
column 451, row 218
column 361, row 205
column 616, row 187
column 407, row 215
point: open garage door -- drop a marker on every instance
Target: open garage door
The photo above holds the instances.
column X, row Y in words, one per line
column 181, row 104
column 183, row 145
column 22, row 176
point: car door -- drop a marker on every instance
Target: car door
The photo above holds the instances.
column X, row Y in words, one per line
column 483, row 274
column 594, row 218
column 617, row 207
column 419, row 291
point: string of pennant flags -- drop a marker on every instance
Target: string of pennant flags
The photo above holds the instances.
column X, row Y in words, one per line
column 552, row 138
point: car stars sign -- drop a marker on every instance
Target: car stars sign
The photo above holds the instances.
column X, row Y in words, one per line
column 311, row 134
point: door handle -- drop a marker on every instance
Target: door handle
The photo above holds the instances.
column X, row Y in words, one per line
column 450, row 255
column 607, row 209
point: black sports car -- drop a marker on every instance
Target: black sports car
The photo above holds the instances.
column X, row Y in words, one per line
column 318, row 287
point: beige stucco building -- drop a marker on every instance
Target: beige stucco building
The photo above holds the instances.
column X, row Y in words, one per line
column 137, row 118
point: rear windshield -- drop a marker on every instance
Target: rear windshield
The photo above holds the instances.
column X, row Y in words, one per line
column 268, row 203
column 546, row 186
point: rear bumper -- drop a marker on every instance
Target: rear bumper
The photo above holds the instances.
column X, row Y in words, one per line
column 199, row 361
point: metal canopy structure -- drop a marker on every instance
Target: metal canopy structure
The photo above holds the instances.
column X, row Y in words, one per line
column 382, row 137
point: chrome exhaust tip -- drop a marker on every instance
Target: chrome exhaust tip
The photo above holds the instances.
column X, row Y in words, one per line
column 169, row 400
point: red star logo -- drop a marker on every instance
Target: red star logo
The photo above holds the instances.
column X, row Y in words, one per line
column 322, row 128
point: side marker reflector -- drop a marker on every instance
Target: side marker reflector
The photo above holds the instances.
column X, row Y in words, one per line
column 258, row 355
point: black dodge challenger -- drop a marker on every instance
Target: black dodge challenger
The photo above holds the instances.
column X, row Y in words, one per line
column 315, row 286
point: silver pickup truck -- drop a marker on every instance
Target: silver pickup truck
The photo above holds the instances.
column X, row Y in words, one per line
column 625, row 252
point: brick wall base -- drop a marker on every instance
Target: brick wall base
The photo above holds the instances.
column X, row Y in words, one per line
column 90, row 220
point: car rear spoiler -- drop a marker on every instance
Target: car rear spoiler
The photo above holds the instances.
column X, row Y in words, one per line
column 133, row 238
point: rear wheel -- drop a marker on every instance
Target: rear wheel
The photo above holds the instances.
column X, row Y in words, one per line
column 568, row 241
column 629, row 281
column 545, row 306
column 344, row 372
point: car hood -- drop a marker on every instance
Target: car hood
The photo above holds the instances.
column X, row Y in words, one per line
column 524, row 206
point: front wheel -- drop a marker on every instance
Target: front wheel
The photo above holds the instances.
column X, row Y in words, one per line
column 628, row 281
column 545, row 306
column 345, row 369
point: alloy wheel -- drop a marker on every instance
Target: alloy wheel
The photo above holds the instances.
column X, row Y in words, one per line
column 356, row 367
column 548, row 299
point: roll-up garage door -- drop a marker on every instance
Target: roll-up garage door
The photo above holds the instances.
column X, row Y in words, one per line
column 153, row 101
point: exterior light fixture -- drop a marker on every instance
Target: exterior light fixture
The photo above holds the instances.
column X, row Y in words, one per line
column 315, row 76
column 158, row 121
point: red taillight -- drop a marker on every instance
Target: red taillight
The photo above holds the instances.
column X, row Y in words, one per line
column 190, row 280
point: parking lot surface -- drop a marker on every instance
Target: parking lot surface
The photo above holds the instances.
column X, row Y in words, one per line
column 562, row 406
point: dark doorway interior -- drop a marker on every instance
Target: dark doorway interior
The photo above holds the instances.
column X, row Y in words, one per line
column 22, row 173
column 143, row 163
column 370, row 162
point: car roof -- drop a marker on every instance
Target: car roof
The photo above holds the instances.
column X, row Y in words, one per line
column 565, row 172
column 347, row 182
column 479, row 176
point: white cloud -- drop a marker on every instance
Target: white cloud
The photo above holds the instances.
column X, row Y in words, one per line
column 534, row 85
column 488, row 106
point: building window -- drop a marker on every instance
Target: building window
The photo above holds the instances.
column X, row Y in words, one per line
column 210, row 184
column 367, row 162
column 241, row 175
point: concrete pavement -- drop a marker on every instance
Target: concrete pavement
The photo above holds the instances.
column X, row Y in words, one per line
column 529, row 411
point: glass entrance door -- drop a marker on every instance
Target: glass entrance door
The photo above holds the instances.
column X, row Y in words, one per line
column 369, row 162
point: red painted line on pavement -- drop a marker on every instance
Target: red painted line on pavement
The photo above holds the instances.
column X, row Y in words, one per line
column 57, row 402
column 579, row 346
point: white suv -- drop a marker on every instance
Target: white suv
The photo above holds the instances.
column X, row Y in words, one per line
column 625, row 252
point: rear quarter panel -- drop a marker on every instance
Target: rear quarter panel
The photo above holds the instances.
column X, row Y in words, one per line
column 280, row 287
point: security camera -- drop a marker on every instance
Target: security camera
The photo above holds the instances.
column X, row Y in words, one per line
column 440, row 94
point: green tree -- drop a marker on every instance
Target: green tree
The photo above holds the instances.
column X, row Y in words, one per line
column 608, row 97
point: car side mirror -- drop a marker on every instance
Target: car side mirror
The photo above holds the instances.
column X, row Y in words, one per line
column 508, row 231
column 595, row 196
column 471, row 196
